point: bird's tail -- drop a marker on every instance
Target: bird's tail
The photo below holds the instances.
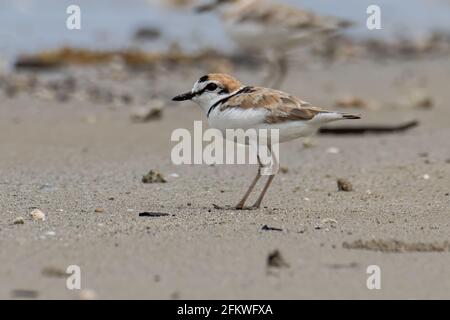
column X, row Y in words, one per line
column 350, row 116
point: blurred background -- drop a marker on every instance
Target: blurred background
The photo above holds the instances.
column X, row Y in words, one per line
column 29, row 26
column 85, row 123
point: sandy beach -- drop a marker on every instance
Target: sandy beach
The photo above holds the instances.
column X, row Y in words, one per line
column 81, row 163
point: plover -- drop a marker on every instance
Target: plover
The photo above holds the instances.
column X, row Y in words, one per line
column 230, row 105
column 272, row 28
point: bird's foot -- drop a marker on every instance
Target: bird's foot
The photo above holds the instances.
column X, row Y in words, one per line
column 239, row 207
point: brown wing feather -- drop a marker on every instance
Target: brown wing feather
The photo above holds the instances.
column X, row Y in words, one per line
column 281, row 106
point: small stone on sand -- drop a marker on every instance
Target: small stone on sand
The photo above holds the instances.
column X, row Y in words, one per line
column 308, row 143
column 344, row 185
column 19, row 220
column 333, row 150
column 284, row 169
column 144, row 114
column 54, row 272
column 351, row 102
column 87, row 294
column 276, row 260
column 153, row 177
column 328, row 220
column 37, row 214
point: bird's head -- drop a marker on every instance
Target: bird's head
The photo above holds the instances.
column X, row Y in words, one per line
column 209, row 89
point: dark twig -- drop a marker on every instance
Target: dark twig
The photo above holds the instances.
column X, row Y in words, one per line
column 369, row 129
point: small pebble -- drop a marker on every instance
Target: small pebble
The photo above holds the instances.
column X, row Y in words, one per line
column 344, row 185
column 153, row 177
column 53, row 272
column 333, row 150
column 37, row 214
column 350, row 102
column 328, row 220
column 25, row 294
column 276, row 260
column 87, row 294
column 426, row 176
column 144, row 114
column 308, row 143
column 284, row 170
column 19, row 220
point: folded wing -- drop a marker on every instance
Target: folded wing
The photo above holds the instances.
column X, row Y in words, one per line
column 280, row 106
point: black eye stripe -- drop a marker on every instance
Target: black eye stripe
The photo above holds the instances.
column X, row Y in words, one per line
column 208, row 88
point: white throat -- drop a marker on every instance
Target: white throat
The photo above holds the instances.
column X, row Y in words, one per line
column 207, row 101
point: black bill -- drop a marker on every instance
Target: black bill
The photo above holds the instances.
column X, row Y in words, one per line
column 184, row 96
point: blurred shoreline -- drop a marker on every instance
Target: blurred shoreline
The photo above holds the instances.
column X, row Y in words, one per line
column 85, row 116
column 32, row 26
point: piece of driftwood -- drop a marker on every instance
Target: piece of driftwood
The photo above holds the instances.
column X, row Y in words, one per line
column 369, row 128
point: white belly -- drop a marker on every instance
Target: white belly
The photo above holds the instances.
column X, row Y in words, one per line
column 254, row 119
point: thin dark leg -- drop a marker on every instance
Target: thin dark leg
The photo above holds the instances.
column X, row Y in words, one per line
column 269, row 181
column 241, row 203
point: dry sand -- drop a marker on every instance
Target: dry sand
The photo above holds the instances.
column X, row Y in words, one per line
column 69, row 159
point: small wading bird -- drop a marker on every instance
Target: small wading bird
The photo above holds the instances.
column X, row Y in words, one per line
column 272, row 28
column 230, row 105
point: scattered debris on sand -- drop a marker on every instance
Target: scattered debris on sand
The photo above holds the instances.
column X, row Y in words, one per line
column 333, row 150
column 37, row 214
column 147, row 34
column 284, row 169
column 175, row 295
column 415, row 98
column 153, row 214
column 350, row 265
column 344, row 185
column 276, row 260
column 19, row 220
column 397, row 246
column 267, row 228
column 308, row 142
column 420, row 99
column 54, row 272
column 87, row 294
column 153, row 177
column 350, row 102
column 145, row 114
column 131, row 58
column 330, row 222
column 24, row 293
column 369, row 128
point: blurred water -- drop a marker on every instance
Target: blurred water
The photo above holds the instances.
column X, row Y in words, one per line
column 31, row 25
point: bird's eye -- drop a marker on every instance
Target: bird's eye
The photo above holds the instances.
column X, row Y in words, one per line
column 211, row 87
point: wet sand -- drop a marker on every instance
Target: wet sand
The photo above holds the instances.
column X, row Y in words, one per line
column 70, row 158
